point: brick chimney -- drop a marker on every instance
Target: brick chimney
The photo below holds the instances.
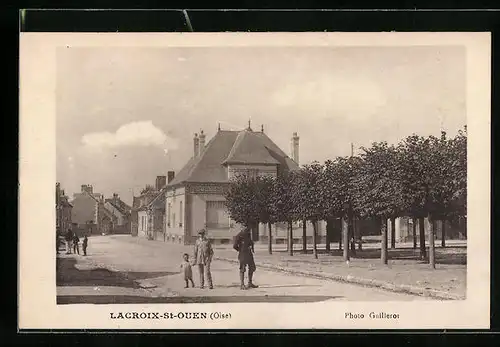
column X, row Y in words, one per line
column 196, row 144
column 161, row 181
column 201, row 142
column 171, row 175
column 295, row 148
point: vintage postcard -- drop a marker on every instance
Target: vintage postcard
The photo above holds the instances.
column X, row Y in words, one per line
column 254, row 180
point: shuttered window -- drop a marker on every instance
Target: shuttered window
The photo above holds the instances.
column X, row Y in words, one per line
column 217, row 216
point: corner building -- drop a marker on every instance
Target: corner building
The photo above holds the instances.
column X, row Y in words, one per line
column 195, row 197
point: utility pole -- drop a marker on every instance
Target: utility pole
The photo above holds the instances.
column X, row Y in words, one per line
column 352, row 149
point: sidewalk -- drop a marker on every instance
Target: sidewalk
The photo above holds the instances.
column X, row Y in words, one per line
column 405, row 273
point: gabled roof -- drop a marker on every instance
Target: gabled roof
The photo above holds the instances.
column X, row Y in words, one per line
column 242, row 147
column 158, row 198
column 118, row 204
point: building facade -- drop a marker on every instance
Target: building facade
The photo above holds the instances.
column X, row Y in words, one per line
column 195, row 197
column 63, row 211
column 122, row 211
column 148, row 210
column 85, row 206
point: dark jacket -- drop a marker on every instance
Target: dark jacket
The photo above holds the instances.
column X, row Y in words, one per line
column 76, row 239
column 69, row 236
column 244, row 245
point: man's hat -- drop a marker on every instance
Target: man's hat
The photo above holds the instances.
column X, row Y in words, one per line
column 202, row 231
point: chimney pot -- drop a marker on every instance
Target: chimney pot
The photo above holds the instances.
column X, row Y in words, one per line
column 161, row 181
column 171, row 176
column 196, row 144
column 201, row 143
column 295, row 147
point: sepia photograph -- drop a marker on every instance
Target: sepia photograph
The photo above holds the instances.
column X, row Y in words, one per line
column 261, row 174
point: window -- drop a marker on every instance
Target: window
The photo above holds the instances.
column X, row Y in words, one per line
column 180, row 214
column 173, row 219
column 253, row 173
column 217, row 216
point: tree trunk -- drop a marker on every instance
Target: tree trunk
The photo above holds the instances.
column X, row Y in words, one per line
column 383, row 243
column 414, row 227
column 393, row 232
column 290, row 239
column 341, row 236
column 304, row 236
column 315, row 239
column 421, row 228
column 345, row 236
column 270, row 241
column 327, row 240
column 443, row 233
column 432, row 249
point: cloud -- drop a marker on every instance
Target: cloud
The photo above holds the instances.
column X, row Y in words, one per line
column 143, row 133
column 349, row 96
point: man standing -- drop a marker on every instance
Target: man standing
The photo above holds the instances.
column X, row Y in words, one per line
column 69, row 239
column 244, row 245
column 203, row 253
column 76, row 244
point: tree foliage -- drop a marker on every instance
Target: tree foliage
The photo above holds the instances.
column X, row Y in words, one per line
column 419, row 176
column 377, row 184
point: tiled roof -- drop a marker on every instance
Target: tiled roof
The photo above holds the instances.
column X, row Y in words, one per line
column 159, row 198
column 249, row 149
column 119, row 205
column 244, row 147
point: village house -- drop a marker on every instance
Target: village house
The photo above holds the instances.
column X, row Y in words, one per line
column 63, row 211
column 195, row 197
column 85, row 208
column 93, row 214
column 122, row 211
column 148, row 212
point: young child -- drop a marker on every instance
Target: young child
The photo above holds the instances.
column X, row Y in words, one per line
column 85, row 244
column 187, row 271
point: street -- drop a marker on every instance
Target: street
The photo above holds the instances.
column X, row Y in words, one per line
column 125, row 269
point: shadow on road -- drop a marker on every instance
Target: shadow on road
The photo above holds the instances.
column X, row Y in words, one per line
column 455, row 255
column 237, row 285
column 69, row 275
column 111, row 299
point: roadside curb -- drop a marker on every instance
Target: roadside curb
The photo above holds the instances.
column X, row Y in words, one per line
column 401, row 288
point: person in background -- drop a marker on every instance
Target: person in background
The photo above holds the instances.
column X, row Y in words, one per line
column 203, row 253
column 76, row 242
column 68, row 238
column 85, row 244
column 243, row 243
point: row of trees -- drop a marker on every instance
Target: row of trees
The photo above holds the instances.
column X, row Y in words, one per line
column 420, row 177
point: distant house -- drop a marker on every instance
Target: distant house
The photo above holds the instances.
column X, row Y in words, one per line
column 85, row 207
column 92, row 214
column 122, row 211
column 63, row 211
column 148, row 211
column 195, row 197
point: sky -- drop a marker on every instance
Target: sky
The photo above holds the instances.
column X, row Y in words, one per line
column 126, row 115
